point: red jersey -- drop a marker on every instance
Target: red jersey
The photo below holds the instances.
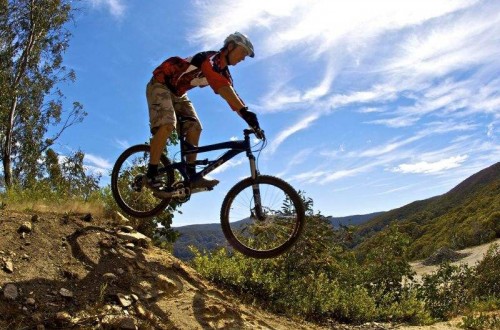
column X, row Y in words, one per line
column 200, row 70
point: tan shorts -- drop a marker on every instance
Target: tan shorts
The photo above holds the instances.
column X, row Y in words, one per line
column 164, row 107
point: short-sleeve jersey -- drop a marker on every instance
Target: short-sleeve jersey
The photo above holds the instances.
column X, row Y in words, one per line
column 200, row 70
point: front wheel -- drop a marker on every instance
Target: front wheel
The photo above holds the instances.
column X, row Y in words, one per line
column 127, row 185
column 262, row 217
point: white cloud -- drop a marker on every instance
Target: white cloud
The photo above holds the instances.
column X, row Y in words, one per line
column 431, row 167
column 401, row 64
column 227, row 165
column 286, row 133
column 491, row 130
column 98, row 162
column 115, row 7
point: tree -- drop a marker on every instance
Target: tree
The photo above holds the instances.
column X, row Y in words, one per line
column 33, row 38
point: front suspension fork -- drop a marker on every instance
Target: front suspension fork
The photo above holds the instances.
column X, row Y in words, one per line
column 259, row 213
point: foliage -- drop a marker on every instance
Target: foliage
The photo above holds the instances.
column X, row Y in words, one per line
column 468, row 215
column 319, row 278
column 33, row 39
column 454, row 289
column 488, row 274
column 62, row 179
column 446, row 292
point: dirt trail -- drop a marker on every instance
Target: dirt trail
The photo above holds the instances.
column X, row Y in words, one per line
column 76, row 271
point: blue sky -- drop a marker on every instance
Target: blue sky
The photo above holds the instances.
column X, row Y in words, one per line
column 367, row 105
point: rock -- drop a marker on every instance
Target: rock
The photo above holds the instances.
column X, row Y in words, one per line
column 140, row 311
column 138, row 238
column 109, row 277
column 124, row 300
column 37, row 317
column 119, row 322
column 30, row 302
column 26, row 227
column 10, row 292
column 35, row 218
column 63, row 317
column 166, row 283
column 119, row 217
column 9, row 266
column 66, row 293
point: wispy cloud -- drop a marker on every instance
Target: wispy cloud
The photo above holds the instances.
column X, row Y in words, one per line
column 98, row 162
column 423, row 75
column 122, row 144
column 115, row 7
column 303, row 123
column 426, row 167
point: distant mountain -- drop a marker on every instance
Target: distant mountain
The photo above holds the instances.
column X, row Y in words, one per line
column 209, row 236
column 353, row 220
column 467, row 215
column 203, row 236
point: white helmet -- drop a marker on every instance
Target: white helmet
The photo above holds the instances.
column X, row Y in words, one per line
column 241, row 40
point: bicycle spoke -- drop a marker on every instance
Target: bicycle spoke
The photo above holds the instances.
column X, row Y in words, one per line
column 271, row 232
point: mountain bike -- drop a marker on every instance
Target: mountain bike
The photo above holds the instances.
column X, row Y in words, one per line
column 261, row 216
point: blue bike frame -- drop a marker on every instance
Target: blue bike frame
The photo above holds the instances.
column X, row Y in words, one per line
column 235, row 148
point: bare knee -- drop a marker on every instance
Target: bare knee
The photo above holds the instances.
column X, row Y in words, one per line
column 163, row 130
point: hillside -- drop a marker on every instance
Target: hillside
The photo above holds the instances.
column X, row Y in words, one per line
column 209, row 236
column 467, row 215
column 79, row 272
column 354, row 220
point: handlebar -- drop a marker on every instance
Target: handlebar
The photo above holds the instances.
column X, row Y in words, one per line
column 259, row 133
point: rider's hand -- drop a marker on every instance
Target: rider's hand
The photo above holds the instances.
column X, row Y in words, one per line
column 259, row 134
column 249, row 117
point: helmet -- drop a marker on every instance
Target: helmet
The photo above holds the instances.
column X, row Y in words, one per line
column 241, row 40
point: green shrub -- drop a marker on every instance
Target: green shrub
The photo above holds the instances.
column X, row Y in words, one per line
column 447, row 291
column 487, row 283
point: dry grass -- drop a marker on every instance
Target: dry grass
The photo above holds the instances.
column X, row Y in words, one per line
column 60, row 207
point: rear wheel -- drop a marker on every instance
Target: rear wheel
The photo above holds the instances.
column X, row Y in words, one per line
column 127, row 185
column 262, row 217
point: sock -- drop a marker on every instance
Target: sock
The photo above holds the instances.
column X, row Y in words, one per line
column 152, row 171
column 191, row 169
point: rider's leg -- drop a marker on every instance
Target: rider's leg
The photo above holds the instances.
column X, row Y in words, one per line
column 184, row 107
column 162, row 122
column 159, row 141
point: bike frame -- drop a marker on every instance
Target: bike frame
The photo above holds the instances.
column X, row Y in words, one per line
column 235, row 148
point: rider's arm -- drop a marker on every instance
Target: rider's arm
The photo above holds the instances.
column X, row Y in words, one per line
column 222, row 86
column 228, row 94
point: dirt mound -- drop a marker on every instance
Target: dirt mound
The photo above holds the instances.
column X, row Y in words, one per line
column 442, row 255
column 78, row 272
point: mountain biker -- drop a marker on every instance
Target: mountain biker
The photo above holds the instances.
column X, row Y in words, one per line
column 166, row 96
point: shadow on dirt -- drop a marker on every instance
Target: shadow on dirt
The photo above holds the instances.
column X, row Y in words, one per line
column 106, row 276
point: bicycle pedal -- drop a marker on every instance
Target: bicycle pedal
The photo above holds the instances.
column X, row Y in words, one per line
column 178, row 193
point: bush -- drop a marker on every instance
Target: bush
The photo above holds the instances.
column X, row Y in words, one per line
column 319, row 279
column 487, row 283
column 447, row 292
